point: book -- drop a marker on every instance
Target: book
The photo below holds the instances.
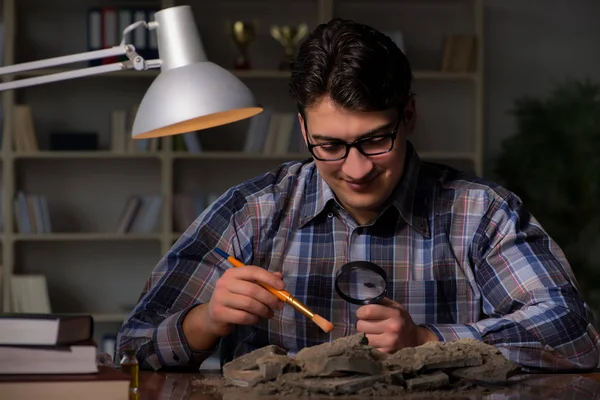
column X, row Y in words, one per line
column 106, row 384
column 44, row 329
column 34, row 360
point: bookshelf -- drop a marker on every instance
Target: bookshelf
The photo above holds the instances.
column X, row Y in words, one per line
column 89, row 266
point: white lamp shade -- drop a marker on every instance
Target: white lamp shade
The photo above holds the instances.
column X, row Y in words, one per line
column 191, row 93
column 192, row 97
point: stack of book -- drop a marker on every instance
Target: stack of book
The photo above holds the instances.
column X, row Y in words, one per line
column 53, row 356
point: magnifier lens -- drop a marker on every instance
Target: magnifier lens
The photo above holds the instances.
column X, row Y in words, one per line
column 360, row 284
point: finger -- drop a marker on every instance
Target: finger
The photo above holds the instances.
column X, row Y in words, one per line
column 248, row 305
column 371, row 327
column 238, row 317
column 374, row 312
column 254, row 273
column 279, row 274
column 387, row 350
column 387, row 302
column 381, row 342
column 255, row 291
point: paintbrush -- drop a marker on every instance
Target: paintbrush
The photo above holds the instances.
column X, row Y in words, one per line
column 286, row 297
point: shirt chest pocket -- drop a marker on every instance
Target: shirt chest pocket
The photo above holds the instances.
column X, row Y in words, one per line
column 447, row 301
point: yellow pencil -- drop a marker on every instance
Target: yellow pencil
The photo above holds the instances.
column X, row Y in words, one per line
column 286, row 297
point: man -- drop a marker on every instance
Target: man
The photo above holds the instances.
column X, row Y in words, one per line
column 463, row 256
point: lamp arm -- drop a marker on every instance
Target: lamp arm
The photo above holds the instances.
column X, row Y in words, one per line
column 61, row 76
column 135, row 62
column 56, row 61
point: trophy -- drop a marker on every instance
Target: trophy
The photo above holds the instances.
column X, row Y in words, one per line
column 243, row 33
column 289, row 37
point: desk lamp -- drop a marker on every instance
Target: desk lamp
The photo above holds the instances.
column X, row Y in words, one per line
column 190, row 93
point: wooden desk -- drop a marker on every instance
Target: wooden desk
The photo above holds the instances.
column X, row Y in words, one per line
column 170, row 386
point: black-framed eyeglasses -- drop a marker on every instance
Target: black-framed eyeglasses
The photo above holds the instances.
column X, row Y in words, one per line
column 338, row 150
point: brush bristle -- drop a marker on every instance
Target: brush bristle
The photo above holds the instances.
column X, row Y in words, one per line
column 323, row 323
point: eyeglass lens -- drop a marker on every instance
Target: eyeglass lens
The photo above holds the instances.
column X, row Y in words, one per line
column 368, row 146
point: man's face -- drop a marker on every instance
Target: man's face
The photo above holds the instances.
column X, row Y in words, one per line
column 361, row 183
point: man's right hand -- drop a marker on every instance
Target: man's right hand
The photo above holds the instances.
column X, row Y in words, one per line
column 236, row 300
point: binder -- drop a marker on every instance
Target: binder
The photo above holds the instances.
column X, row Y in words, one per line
column 94, row 32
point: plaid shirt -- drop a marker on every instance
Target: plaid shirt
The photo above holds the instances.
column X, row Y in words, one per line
column 462, row 255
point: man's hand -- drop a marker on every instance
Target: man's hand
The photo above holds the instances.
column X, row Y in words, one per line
column 389, row 327
column 236, row 300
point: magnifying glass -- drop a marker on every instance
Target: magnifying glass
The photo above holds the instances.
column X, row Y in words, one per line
column 361, row 282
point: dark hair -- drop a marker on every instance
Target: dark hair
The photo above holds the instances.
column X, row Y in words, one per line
column 359, row 67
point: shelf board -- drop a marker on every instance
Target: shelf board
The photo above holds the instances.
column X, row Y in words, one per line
column 207, row 155
column 255, row 73
column 446, row 156
column 242, row 74
column 448, row 76
column 85, row 236
column 116, row 74
column 261, row 73
column 100, row 317
column 238, row 155
column 83, row 154
column 419, row 74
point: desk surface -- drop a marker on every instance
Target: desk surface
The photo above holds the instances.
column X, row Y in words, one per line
column 170, row 386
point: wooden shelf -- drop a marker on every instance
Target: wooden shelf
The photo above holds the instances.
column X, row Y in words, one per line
column 116, row 74
column 207, row 155
column 447, row 76
column 446, row 156
column 242, row 74
column 45, row 237
column 61, row 155
column 100, row 317
column 261, row 73
column 238, row 155
column 235, row 155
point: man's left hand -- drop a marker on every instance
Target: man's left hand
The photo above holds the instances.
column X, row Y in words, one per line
column 389, row 327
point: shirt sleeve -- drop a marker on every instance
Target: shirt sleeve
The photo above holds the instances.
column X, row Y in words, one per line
column 535, row 313
column 184, row 278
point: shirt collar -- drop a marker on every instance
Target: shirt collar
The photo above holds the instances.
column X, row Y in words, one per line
column 317, row 195
column 410, row 198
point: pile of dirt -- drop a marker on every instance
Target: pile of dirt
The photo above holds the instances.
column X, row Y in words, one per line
column 349, row 366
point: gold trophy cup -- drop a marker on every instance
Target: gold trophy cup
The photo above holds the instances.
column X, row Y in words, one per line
column 289, row 37
column 243, row 33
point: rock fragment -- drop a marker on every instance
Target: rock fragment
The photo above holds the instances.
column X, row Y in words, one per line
column 250, row 360
column 244, row 378
column 337, row 347
column 434, row 355
column 435, row 380
column 341, row 365
column 349, row 366
column 495, row 367
column 273, row 366
column 466, row 361
column 258, row 366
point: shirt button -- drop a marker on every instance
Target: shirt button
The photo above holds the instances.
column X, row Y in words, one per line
column 330, row 215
